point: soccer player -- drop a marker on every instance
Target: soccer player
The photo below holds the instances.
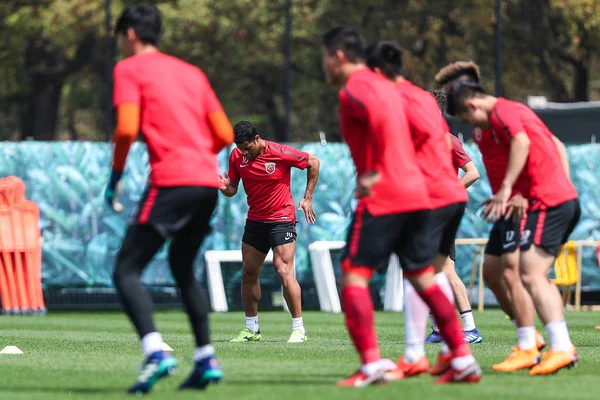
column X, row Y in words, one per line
column 501, row 260
column 392, row 212
column 184, row 127
column 515, row 131
column 265, row 169
column 460, row 160
column 448, row 198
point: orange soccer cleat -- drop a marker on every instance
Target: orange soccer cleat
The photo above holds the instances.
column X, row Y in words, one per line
column 539, row 341
column 519, row 359
column 441, row 365
column 553, row 361
column 407, row 370
column 471, row 374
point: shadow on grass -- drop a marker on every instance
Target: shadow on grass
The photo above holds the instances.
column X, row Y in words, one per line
column 87, row 390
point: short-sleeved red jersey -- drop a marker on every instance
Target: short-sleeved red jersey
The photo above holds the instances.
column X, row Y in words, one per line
column 428, row 130
column 175, row 99
column 550, row 185
column 459, row 156
column 374, row 124
column 266, row 181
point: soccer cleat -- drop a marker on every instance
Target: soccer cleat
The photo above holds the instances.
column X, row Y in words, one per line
column 247, row 335
column 473, row 336
column 205, row 372
column 407, row 370
column 553, row 361
column 539, row 341
column 158, row 365
column 518, row 359
column 441, row 365
column 360, row 379
column 471, row 374
column 297, row 336
column 434, row 337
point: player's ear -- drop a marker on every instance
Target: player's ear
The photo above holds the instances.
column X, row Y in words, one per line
column 339, row 54
column 131, row 35
column 256, row 138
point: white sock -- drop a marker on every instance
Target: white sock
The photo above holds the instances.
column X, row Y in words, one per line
column 559, row 336
column 252, row 324
column 151, row 343
column 444, row 349
column 460, row 363
column 297, row 323
column 203, row 352
column 526, row 337
column 383, row 364
column 415, row 323
column 468, row 321
column 433, row 324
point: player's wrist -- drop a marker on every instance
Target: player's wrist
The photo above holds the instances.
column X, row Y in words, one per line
column 308, row 197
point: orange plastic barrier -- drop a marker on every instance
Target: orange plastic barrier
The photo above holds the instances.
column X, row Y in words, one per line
column 20, row 251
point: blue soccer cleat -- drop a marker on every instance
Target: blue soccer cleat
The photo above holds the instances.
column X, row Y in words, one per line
column 434, row 337
column 205, row 372
column 473, row 336
column 158, row 365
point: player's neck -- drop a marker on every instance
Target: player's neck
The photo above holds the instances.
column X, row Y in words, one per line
column 142, row 48
column 262, row 146
column 349, row 69
column 489, row 103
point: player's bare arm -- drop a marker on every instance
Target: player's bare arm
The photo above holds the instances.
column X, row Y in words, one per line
column 312, row 176
column 564, row 158
column 228, row 188
column 471, row 174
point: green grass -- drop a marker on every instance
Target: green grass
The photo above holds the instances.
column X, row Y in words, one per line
column 94, row 355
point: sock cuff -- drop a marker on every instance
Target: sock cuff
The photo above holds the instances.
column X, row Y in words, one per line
column 466, row 312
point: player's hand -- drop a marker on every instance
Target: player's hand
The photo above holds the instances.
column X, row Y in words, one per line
column 306, row 206
column 113, row 190
column 496, row 205
column 517, row 208
column 225, row 181
column 365, row 182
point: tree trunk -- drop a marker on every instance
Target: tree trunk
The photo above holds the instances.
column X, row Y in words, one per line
column 42, row 119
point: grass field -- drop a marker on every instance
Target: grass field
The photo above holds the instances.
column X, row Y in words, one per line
column 94, row 355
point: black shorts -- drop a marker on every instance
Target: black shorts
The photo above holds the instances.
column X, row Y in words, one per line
column 170, row 209
column 444, row 223
column 452, row 254
column 504, row 238
column 264, row 236
column 549, row 228
column 372, row 240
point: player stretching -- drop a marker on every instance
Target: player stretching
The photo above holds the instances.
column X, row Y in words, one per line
column 460, row 160
column 265, row 169
column 391, row 215
column 447, row 195
column 184, row 127
column 501, row 261
column 554, row 209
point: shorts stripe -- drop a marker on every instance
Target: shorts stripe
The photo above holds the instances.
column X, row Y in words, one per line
column 539, row 227
column 357, row 228
column 148, row 205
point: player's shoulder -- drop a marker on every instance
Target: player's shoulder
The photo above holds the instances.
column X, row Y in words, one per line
column 235, row 154
column 359, row 82
column 129, row 64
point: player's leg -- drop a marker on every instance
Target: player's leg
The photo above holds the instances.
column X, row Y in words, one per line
column 282, row 239
column 550, row 230
column 255, row 246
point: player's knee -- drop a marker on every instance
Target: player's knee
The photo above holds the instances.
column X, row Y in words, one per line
column 528, row 279
column 250, row 275
column 285, row 271
column 492, row 276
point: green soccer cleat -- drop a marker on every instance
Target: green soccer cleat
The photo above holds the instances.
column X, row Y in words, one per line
column 297, row 336
column 247, row 335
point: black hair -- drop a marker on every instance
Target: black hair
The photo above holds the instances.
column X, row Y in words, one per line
column 145, row 20
column 348, row 40
column 387, row 56
column 441, row 98
column 244, row 132
column 460, row 93
column 460, row 71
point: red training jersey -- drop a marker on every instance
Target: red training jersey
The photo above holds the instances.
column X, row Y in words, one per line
column 266, row 181
column 374, row 124
column 459, row 156
column 550, row 185
column 428, row 130
column 175, row 99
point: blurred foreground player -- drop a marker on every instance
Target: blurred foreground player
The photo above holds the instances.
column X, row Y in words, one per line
column 265, row 167
column 184, row 127
column 447, row 195
column 392, row 213
column 516, row 131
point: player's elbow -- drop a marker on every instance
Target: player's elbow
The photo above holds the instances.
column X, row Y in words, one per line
column 314, row 163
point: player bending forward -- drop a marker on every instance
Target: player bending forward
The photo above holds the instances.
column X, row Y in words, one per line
column 184, row 127
column 265, row 167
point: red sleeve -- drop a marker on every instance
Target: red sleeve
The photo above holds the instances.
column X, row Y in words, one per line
column 234, row 173
column 126, row 86
column 507, row 119
column 459, row 155
column 292, row 157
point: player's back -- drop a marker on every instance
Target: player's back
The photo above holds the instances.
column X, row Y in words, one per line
column 175, row 99
column 433, row 156
column 375, row 126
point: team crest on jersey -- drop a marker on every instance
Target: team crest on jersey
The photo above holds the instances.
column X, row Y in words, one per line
column 244, row 162
column 270, row 167
column 477, row 132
